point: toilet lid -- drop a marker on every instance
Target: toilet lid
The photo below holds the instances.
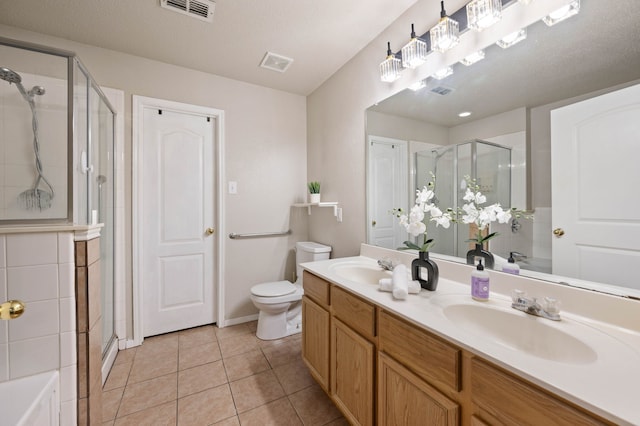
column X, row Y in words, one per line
column 279, row 288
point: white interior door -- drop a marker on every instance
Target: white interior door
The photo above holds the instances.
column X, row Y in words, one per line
column 177, row 214
column 598, row 212
column 387, row 190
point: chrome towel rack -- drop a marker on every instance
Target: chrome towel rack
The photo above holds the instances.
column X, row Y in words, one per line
column 235, row 236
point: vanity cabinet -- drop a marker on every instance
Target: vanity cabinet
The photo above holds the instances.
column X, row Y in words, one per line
column 316, row 328
column 502, row 398
column 380, row 368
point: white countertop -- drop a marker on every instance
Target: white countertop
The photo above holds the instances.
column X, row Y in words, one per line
column 606, row 384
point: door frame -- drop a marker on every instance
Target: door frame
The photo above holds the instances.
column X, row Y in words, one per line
column 139, row 104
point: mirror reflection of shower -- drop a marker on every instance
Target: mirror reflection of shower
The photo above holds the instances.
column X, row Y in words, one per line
column 101, row 179
column 40, row 196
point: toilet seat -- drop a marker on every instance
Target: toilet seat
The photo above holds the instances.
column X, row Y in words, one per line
column 273, row 289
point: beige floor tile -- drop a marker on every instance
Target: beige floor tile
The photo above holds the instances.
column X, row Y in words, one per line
column 125, row 356
column 202, row 377
column 275, row 413
column 109, row 423
column 231, row 421
column 294, row 376
column 232, row 331
column 145, row 368
column 338, row 422
column 198, row 355
column 244, row 365
column 253, row 326
column 140, row 396
column 197, row 336
column 161, row 415
column 314, row 406
column 156, row 345
column 110, row 403
column 238, row 345
column 277, row 342
column 283, row 354
column 118, row 376
column 206, row 407
column 256, row 390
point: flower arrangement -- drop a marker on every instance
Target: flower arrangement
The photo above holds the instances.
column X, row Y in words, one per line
column 473, row 213
column 414, row 221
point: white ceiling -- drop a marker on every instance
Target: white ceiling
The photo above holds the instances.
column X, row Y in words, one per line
column 321, row 36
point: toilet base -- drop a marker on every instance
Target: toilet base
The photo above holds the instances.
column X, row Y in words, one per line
column 271, row 327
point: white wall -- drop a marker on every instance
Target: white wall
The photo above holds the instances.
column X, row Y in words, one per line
column 265, row 147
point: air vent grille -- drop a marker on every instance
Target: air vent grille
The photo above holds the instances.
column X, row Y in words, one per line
column 441, row 90
column 199, row 9
column 275, row 62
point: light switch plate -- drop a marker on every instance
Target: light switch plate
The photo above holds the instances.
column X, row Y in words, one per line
column 233, row 187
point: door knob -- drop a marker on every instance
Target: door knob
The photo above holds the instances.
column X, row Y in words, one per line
column 209, row 231
column 558, row 232
column 11, row 309
column 374, row 223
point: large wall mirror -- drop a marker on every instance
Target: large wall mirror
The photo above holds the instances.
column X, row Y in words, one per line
column 520, row 100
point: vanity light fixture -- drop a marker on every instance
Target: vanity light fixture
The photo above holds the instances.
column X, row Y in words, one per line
column 473, row 58
column 443, row 73
column 464, row 114
column 513, row 38
column 420, row 84
column 563, row 13
column 414, row 53
column 390, row 68
column 446, row 34
column 482, row 14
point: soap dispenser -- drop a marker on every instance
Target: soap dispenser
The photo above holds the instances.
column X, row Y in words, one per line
column 511, row 267
column 480, row 283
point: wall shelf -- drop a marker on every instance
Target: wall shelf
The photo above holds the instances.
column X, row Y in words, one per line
column 337, row 211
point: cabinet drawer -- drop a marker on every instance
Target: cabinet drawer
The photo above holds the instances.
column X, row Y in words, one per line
column 425, row 354
column 514, row 402
column 353, row 311
column 316, row 288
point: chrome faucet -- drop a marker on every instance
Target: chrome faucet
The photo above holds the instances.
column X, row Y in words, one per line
column 517, row 255
column 386, row 264
column 549, row 308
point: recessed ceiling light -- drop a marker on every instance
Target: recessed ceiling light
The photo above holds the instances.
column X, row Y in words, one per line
column 275, row 62
column 464, row 114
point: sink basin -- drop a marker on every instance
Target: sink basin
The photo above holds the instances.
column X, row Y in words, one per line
column 360, row 272
column 516, row 330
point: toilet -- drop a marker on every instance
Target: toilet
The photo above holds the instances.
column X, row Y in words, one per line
column 280, row 302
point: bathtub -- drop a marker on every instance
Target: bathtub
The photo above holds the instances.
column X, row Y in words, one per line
column 31, row 401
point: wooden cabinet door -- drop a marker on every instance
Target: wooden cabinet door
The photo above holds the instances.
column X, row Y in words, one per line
column 315, row 340
column 352, row 375
column 404, row 399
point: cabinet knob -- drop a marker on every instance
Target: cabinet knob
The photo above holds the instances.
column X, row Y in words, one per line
column 209, row 231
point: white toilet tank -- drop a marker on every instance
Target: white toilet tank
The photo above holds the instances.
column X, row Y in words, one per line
column 308, row 251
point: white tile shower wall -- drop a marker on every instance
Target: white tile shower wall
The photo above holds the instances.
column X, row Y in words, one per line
column 39, row 269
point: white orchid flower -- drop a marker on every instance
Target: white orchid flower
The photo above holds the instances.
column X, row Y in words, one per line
column 416, row 214
column 504, row 216
column 424, row 196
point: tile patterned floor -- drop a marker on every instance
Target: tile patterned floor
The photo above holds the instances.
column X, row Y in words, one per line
column 212, row 376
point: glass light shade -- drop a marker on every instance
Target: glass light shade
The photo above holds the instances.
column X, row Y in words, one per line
column 390, row 69
column 473, row 58
column 443, row 73
column 513, row 38
column 482, row 14
column 445, row 35
column 420, row 84
column 414, row 53
column 563, row 13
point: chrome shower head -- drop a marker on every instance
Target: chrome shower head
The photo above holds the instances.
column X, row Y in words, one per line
column 11, row 76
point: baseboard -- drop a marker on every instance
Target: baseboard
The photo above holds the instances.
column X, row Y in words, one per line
column 236, row 321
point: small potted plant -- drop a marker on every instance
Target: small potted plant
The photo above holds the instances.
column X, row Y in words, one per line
column 314, row 192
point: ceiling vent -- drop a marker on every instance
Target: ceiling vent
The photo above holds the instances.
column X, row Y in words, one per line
column 199, row 9
column 441, row 90
column 275, row 62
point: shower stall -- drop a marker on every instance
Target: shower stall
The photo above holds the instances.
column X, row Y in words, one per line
column 486, row 162
column 57, row 133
